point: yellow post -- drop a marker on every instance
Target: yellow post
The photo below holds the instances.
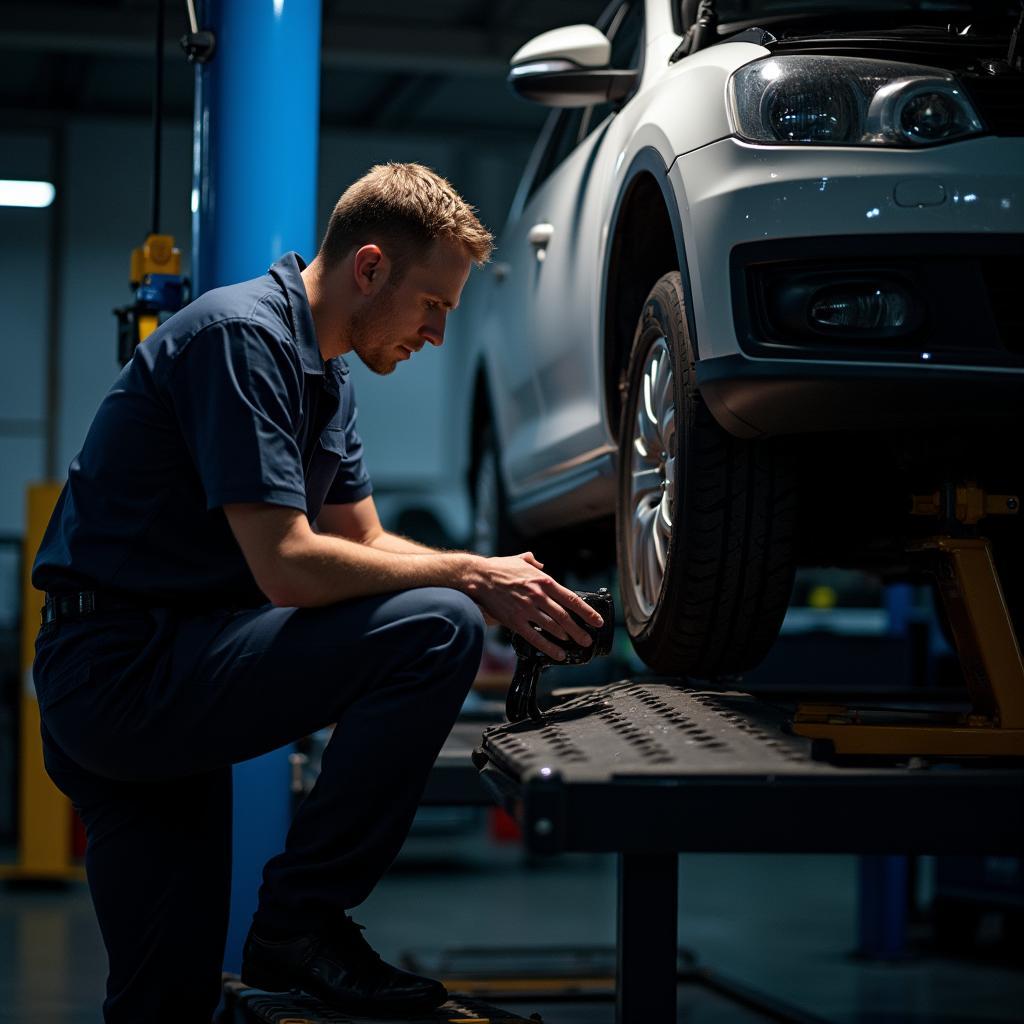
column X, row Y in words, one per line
column 44, row 813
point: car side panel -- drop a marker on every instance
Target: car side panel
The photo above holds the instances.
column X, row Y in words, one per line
column 560, row 302
column 509, row 361
column 544, row 346
column 566, row 325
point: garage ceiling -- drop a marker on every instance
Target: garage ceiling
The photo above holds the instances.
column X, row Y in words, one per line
column 392, row 65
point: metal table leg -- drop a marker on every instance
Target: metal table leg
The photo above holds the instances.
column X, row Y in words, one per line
column 648, row 897
column 882, row 905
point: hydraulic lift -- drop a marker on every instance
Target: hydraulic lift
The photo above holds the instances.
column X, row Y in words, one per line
column 651, row 768
column 964, row 573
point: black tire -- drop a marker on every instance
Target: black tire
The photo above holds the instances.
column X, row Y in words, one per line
column 729, row 560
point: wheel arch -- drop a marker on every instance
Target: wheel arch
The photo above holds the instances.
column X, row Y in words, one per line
column 646, row 242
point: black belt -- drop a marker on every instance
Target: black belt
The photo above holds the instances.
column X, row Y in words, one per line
column 61, row 607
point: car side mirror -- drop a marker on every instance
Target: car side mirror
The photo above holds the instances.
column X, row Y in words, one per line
column 568, row 67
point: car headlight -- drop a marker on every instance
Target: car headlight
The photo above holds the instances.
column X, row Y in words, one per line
column 849, row 101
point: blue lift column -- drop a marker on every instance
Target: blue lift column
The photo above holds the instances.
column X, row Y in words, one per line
column 883, row 880
column 254, row 167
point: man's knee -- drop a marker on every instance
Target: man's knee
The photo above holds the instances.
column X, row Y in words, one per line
column 437, row 628
column 436, row 632
column 461, row 614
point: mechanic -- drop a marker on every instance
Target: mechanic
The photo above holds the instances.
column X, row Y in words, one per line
column 219, row 585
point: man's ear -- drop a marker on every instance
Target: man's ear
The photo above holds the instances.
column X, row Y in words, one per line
column 370, row 268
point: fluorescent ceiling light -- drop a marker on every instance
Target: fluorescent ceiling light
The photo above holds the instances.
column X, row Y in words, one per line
column 26, row 193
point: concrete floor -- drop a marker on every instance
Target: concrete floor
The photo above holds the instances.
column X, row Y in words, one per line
column 782, row 924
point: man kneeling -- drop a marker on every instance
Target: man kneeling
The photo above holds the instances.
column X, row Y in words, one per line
column 219, row 585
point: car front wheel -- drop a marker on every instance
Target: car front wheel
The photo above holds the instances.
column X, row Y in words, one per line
column 705, row 521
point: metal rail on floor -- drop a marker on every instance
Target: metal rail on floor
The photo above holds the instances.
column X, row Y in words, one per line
column 245, row 1005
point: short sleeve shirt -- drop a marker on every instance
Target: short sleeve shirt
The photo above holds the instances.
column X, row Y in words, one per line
column 228, row 401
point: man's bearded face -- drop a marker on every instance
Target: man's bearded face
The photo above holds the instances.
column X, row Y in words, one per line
column 371, row 332
column 404, row 316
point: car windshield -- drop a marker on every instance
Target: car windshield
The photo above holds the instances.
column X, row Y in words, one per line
column 743, row 10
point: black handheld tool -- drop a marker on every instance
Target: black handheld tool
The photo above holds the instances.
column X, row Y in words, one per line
column 522, row 695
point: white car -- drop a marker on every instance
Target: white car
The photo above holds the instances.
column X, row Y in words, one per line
column 761, row 282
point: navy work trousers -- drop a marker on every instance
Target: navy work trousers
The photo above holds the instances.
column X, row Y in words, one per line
column 152, row 708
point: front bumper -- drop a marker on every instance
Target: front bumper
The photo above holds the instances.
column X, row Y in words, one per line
column 758, row 207
column 755, row 397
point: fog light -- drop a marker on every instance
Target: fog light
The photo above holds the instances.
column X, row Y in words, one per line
column 840, row 306
column 860, row 308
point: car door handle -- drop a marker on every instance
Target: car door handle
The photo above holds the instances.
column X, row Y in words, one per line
column 539, row 236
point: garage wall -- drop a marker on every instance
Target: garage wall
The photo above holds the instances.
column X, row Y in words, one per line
column 24, row 262
column 412, row 421
column 105, row 188
column 24, row 258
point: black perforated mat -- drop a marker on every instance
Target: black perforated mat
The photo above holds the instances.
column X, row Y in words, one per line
column 657, row 765
column 651, row 728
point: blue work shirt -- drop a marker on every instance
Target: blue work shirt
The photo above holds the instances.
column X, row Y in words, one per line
column 228, row 401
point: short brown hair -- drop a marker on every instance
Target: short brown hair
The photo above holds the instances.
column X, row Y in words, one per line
column 404, row 208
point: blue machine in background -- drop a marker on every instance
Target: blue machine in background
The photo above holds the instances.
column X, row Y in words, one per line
column 256, row 127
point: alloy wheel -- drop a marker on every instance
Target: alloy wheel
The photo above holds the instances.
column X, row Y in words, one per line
column 652, row 477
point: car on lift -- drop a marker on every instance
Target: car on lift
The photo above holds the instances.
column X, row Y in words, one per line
column 760, row 284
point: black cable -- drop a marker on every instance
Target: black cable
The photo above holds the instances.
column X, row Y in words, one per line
column 1016, row 40
column 158, row 103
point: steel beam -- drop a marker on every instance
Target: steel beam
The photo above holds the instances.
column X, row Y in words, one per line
column 255, row 146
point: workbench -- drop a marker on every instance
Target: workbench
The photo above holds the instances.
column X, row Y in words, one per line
column 653, row 768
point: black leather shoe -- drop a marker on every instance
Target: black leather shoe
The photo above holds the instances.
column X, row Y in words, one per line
column 342, row 971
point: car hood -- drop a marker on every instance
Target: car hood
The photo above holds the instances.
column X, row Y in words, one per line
column 946, row 47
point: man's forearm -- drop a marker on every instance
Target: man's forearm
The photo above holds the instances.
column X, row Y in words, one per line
column 326, row 568
column 397, row 544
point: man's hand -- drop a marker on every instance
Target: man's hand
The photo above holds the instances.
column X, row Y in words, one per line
column 516, row 592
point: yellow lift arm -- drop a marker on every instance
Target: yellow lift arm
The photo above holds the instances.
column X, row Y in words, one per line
column 986, row 644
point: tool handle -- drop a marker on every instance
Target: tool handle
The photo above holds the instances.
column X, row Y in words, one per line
column 522, row 694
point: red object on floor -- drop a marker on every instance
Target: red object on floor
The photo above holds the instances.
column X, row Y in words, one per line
column 503, row 827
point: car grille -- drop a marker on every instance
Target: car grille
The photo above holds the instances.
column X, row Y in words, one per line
column 999, row 99
column 1004, row 277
